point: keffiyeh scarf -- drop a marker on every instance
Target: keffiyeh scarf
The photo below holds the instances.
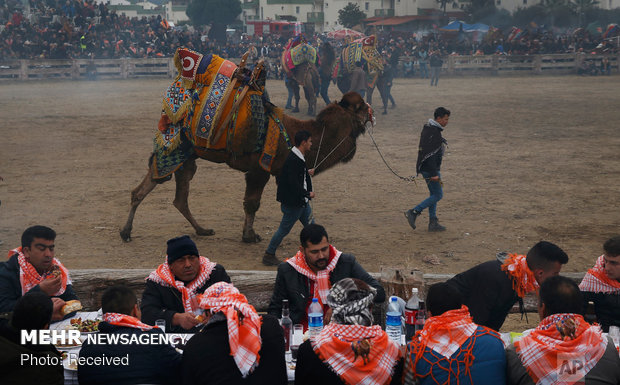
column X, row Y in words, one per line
column 347, row 304
column 119, row 319
column 321, row 289
column 560, row 337
column 29, row 277
column 243, row 322
column 357, row 354
column 596, row 280
column 164, row 276
column 523, row 280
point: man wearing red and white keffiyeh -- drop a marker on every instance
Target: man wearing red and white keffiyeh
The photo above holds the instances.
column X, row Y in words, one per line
column 32, row 267
column 172, row 292
column 236, row 343
column 601, row 285
column 564, row 349
column 128, row 350
column 311, row 272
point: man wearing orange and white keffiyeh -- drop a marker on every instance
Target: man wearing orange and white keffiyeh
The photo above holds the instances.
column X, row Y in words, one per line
column 601, row 285
column 172, row 292
column 490, row 289
column 564, row 349
column 311, row 273
column 32, row 267
column 236, row 343
column 350, row 349
column 451, row 348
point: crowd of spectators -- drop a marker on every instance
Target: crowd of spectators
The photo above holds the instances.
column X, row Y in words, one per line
column 62, row 29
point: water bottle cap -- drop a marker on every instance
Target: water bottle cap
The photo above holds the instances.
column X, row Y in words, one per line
column 315, row 300
column 393, row 299
column 414, row 290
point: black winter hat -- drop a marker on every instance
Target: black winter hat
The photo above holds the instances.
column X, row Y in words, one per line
column 179, row 247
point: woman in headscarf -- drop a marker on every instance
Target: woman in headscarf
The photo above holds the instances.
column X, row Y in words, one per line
column 350, row 350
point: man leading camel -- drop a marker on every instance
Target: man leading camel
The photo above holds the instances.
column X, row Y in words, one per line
column 171, row 291
column 294, row 194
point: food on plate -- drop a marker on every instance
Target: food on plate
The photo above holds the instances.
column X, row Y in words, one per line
column 86, row 326
column 71, row 306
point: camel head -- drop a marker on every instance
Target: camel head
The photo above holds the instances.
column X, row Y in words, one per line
column 339, row 125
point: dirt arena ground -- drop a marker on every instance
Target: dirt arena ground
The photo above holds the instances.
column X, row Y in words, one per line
column 529, row 158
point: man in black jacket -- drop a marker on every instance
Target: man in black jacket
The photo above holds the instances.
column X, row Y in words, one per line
column 294, row 194
column 140, row 362
column 33, row 268
column 311, row 272
column 430, row 155
column 171, row 290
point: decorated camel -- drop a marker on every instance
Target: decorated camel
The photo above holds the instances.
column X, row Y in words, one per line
column 361, row 50
column 299, row 62
column 217, row 111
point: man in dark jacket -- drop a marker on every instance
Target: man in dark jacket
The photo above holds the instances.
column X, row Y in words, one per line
column 294, row 194
column 171, row 290
column 311, row 272
column 140, row 363
column 237, row 346
column 564, row 348
column 33, row 268
column 491, row 289
column 33, row 311
column 430, row 155
column 601, row 285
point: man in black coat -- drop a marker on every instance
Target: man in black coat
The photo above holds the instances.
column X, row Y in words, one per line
column 170, row 292
column 137, row 362
column 294, row 194
column 41, row 272
column 430, row 155
column 311, row 272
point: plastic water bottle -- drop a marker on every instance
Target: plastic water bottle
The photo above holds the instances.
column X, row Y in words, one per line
column 411, row 312
column 393, row 326
column 315, row 318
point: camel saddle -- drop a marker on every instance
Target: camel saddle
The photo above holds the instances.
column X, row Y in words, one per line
column 364, row 50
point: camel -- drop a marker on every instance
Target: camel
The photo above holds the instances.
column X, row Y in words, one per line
column 327, row 57
column 334, row 132
column 307, row 76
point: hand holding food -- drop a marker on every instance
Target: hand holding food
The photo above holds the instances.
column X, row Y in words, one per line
column 50, row 285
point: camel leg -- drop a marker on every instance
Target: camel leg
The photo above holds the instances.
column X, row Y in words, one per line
column 297, row 97
column 369, row 92
column 137, row 196
column 182, row 177
column 311, row 98
column 255, row 181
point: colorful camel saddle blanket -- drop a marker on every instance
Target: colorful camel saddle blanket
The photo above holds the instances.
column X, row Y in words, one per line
column 302, row 53
column 364, row 50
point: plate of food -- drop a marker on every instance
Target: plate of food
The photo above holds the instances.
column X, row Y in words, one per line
column 69, row 346
column 86, row 326
column 71, row 365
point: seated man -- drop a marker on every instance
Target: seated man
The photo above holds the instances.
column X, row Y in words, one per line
column 490, row 289
column 310, row 273
column 601, row 285
column 33, row 311
column 170, row 292
column 451, row 349
column 236, row 346
column 349, row 350
column 564, row 348
column 146, row 364
column 33, row 268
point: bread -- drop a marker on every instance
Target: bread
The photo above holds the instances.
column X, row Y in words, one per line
column 70, row 307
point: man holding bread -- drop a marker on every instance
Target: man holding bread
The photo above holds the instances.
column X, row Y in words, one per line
column 31, row 268
column 172, row 291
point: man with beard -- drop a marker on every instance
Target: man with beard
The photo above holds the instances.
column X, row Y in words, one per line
column 311, row 272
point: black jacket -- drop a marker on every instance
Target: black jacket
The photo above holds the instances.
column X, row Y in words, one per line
column 11, row 289
column 295, row 287
column 290, row 182
column 487, row 291
column 606, row 307
column 162, row 302
column 430, row 150
column 207, row 359
column 311, row 370
column 148, row 364
column 13, row 371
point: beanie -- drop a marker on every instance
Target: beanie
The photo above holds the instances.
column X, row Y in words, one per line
column 179, row 247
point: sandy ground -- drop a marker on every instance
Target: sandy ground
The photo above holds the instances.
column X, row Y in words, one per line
column 530, row 158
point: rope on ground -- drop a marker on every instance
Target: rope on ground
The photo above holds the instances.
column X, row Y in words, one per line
column 406, row 179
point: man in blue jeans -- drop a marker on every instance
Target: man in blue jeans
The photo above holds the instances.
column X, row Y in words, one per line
column 430, row 154
column 294, row 194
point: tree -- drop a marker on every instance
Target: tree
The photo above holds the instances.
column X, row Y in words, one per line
column 581, row 7
column 558, row 11
column 350, row 15
column 217, row 13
